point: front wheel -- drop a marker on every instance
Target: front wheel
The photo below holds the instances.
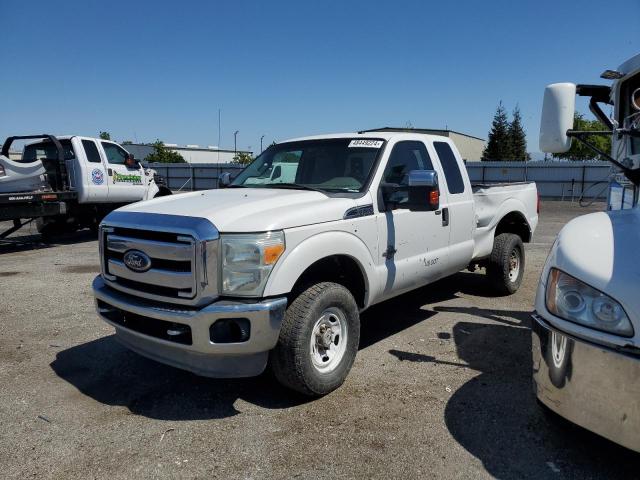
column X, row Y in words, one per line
column 506, row 264
column 318, row 340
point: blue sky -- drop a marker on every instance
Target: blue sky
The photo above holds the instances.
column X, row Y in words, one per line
column 145, row 70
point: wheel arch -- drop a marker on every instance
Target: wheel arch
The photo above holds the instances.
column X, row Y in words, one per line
column 514, row 222
column 338, row 257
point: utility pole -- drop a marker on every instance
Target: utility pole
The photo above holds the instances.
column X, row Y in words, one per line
column 261, row 143
column 235, row 143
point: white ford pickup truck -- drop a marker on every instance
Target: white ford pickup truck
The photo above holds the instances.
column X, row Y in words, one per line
column 222, row 282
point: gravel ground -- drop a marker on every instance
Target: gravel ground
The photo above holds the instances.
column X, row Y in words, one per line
column 441, row 388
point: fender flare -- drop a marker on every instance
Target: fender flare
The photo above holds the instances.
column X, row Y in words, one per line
column 317, row 247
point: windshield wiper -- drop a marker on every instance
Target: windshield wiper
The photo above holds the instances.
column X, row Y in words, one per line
column 292, row 186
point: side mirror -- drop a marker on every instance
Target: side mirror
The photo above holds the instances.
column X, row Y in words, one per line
column 424, row 193
column 558, row 108
column 131, row 162
column 224, row 180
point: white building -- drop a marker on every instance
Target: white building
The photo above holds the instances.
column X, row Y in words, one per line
column 191, row 153
column 470, row 147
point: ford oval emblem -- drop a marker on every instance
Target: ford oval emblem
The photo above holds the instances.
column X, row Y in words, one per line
column 137, row 261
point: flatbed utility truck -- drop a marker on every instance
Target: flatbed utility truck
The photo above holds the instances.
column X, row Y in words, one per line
column 69, row 182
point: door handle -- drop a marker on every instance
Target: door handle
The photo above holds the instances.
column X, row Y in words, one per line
column 110, row 172
column 445, row 217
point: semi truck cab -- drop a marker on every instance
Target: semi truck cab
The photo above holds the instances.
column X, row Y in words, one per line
column 586, row 328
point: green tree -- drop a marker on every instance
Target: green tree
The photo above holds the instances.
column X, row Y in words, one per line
column 580, row 151
column 517, row 137
column 498, row 145
column 126, row 142
column 105, row 135
column 243, row 158
column 161, row 154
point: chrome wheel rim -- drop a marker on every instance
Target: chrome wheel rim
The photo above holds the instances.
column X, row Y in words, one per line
column 328, row 340
column 514, row 265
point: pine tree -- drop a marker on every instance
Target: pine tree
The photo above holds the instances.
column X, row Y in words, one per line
column 498, row 146
column 517, row 137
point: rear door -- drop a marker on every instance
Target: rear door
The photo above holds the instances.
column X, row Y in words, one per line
column 126, row 184
column 459, row 211
column 95, row 172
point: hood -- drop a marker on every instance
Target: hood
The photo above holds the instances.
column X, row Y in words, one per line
column 250, row 209
column 603, row 250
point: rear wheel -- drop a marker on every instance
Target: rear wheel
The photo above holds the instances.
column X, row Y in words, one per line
column 318, row 340
column 506, row 264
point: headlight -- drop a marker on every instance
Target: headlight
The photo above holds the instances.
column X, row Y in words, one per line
column 247, row 261
column 573, row 300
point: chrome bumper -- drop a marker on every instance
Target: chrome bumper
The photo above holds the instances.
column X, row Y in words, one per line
column 196, row 353
column 589, row 385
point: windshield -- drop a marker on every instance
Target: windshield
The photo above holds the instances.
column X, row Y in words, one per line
column 331, row 165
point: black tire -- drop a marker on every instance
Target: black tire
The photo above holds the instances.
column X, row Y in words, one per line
column 499, row 267
column 291, row 359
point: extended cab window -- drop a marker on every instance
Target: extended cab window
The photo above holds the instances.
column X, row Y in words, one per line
column 455, row 183
column 115, row 154
column 91, row 151
column 405, row 156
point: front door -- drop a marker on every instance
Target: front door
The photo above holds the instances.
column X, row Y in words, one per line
column 96, row 171
column 126, row 184
column 413, row 246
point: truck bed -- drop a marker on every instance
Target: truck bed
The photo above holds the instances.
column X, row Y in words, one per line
column 495, row 200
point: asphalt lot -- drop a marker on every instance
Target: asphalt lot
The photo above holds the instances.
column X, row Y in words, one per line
column 441, row 388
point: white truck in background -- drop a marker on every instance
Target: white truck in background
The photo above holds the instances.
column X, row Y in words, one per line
column 70, row 182
column 586, row 328
column 220, row 282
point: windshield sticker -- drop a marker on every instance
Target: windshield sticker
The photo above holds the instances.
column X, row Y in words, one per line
column 362, row 143
column 97, row 176
column 134, row 179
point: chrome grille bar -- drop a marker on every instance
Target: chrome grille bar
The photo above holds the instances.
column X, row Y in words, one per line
column 182, row 252
column 163, row 278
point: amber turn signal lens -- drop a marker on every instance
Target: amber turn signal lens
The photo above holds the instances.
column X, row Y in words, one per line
column 272, row 253
column 434, row 197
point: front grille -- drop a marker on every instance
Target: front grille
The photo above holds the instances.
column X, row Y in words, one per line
column 172, row 272
column 179, row 261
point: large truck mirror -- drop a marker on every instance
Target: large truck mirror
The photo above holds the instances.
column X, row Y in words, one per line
column 424, row 192
column 558, row 108
column 224, row 180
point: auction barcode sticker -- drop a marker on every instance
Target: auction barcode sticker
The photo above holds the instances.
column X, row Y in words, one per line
column 364, row 143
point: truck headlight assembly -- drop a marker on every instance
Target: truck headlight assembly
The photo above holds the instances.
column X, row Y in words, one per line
column 575, row 301
column 247, row 261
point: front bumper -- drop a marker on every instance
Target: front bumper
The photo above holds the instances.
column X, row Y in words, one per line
column 143, row 326
column 590, row 385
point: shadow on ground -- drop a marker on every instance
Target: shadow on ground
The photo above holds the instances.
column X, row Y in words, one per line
column 495, row 415
column 35, row 241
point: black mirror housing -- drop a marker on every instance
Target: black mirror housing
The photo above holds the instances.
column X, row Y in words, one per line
column 130, row 161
